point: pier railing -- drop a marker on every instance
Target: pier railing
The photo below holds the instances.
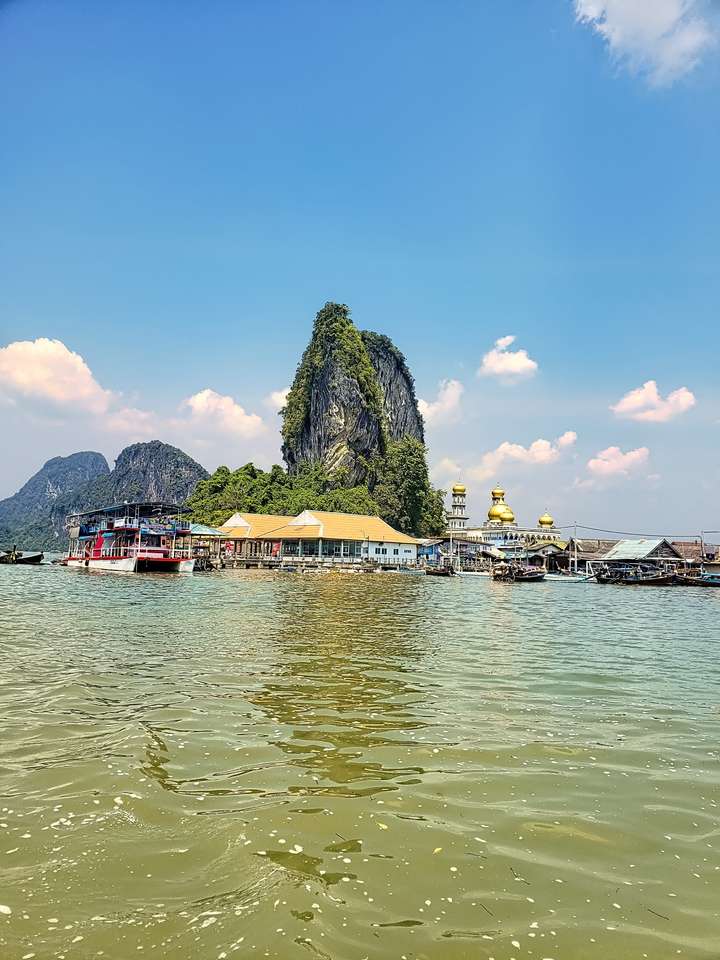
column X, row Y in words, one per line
column 115, row 553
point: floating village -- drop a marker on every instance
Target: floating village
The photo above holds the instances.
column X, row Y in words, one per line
column 156, row 537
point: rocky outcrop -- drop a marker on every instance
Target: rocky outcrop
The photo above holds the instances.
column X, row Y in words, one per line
column 143, row 471
column 343, row 432
column 147, row 471
column 26, row 517
column 352, row 393
column 397, row 385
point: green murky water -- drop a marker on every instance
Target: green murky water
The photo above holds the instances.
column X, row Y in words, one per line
column 266, row 765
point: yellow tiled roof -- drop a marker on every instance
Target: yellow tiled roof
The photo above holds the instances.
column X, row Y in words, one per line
column 259, row 526
column 314, row 524
column 340, row 526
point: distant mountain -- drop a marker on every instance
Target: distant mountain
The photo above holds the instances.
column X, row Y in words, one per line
column 25, row 516
column 34, row 517
column 146, row 471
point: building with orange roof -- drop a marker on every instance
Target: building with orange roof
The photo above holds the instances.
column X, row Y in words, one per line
column 317, row 535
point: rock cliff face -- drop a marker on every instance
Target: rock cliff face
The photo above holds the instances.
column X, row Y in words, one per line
column 352, row 393
column 147, row 471
column 143, row 471
column 27, row 513
column 397, row 387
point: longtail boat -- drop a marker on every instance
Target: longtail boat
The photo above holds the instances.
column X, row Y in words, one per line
column 517, row 573
column 21, row 557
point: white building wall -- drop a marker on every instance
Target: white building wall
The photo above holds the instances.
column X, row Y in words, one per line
column 385, row 552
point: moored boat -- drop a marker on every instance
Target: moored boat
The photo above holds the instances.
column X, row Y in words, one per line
column 702, row 580
column 639, row 578
column 131, row 538
column 21, row 557
column 517, row 573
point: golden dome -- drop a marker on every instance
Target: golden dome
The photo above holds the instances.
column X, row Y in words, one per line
column 546, row 521
column 459, row 488
column 507, row 516
column 497, row 511
column 498, row 493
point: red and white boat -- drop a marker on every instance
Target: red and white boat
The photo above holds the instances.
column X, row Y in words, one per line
column 131, row 538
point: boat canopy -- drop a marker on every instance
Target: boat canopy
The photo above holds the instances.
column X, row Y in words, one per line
column 140, row 508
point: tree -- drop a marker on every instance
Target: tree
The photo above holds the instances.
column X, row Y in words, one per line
column 403, row 492
column 251, row 490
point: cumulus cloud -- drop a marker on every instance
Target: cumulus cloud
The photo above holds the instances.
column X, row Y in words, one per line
column 134, row 423
column 223, row 413
column 277, row 399
column 46, row 375
column 47, row 372
column 539, row 453
column 662, row 39
column 645, row 403
column 507, row 365
column 446, row 406
column 446, row 470
column 612, row 464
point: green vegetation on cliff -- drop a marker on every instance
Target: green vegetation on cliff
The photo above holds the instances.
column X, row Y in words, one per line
column 401, row 495
column 252, row 490
column 335, row 337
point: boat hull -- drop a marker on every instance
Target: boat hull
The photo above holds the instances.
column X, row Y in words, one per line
column 661, row 580
column 26, row 559
column 688, row 581
column 134, row 564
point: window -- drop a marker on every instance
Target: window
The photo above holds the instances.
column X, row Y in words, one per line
column 396, row 551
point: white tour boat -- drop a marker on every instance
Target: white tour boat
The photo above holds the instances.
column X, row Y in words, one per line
column 131, row 538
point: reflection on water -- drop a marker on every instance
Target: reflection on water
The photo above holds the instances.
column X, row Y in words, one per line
column 254, row 764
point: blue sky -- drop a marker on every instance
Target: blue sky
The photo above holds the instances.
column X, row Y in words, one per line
column 184, row 185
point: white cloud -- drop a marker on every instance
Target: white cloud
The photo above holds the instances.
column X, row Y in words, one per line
column 539, row 453
column 645, row 403
column 46, row 371
column 611, row 464
column 133, row 423
column 222, row 413
column 663, row 39
column 277, row 399
column 47, row 374
column 446, row 407
column 508, row 365
column 445, row 470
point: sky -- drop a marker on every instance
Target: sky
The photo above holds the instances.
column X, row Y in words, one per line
column 524, row 197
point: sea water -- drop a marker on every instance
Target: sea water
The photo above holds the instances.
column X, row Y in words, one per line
column 254, row 764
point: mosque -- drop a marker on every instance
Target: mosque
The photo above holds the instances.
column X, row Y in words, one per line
column 500, row 529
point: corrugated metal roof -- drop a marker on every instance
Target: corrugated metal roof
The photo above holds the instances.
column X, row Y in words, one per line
column 202, row 530
column 634, row 549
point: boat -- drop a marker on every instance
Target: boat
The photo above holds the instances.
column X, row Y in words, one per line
column 131, row 538
column 517, row 573
column 566, row 578
column 439, row 572
column 637, row 578
column 703, row 580
column 21, row 557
